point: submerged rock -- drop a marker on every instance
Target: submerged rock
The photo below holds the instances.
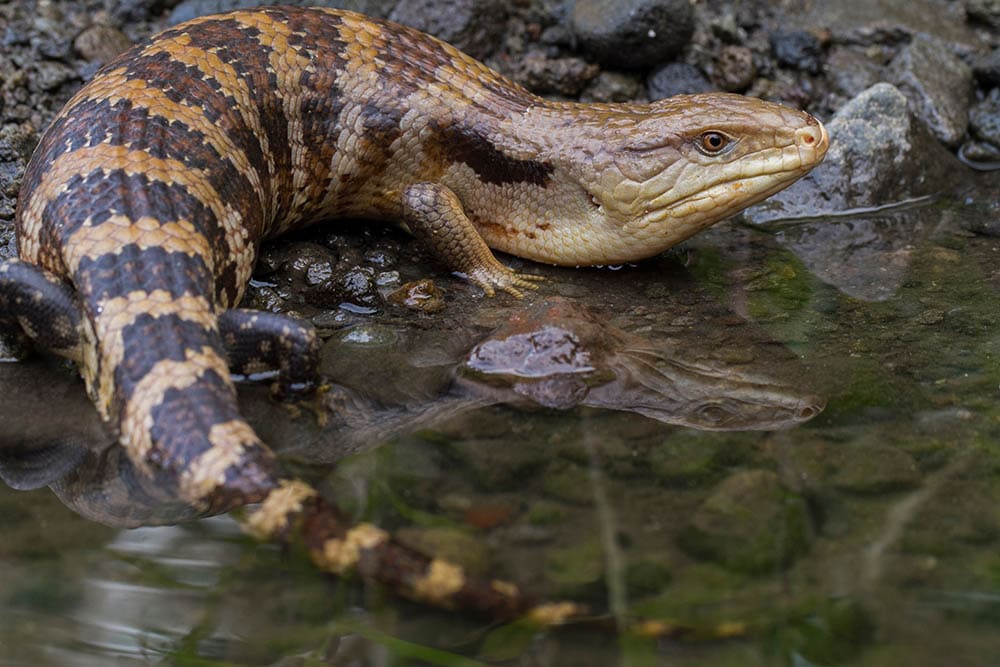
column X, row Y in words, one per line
column 752, row 523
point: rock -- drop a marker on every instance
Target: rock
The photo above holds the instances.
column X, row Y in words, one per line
column 357, row 283
column 646, row 577
column 734, row 71
column 871, row 460
column 676, row 79
column 474, row 26
column 190, row 9
column 751, row 523
column 885, row 22
column 864, row 256
column 612, row 87
column 963, row 511
column 987, row 69
column 571, row 484
column 496, row 465
column 798, row 49
column 132, row 11
column 873, row 469
column 577, row 569
column 984, row 119
column 938, row 85
column 632, row 34
column 560, row 76
column 421, row 295
column 686, row 459
column 985, row 12
column 851, row 71
column 50, row 75
column 879, row 154
column 100, row 43
column 16, row 144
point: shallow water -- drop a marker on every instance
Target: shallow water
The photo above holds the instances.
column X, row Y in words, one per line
column 867, row 535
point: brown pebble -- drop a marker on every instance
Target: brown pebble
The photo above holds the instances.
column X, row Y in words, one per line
column 422, row 295
column 101, row 43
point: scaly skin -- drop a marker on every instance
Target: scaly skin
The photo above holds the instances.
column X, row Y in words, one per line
column 143, row 208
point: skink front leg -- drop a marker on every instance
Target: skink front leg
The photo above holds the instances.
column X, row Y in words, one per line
column 435, row 216
column 40, row 305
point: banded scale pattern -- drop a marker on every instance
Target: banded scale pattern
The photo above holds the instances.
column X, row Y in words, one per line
column 144, row 206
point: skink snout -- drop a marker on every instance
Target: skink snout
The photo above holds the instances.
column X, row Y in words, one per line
column 813, row 138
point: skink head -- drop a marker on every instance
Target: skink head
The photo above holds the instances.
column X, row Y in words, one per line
column 656, row 174
column 697, row 159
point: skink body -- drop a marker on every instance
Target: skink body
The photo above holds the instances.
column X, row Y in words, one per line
column 143, row 208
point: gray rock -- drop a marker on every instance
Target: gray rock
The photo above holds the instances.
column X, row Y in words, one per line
column 751, row 523
column 100, row 43
column 851, row 70
column 132, row 11
column 50, row 75
column 474, row 26
column 987, row 69
column 612, row 87
column 676, row 79
column 874, row 22
column 986, row 12
column 633, row 34
column 190, row 9
column 879, row 154
column 984, row 119
column 734, row 70
column 16, row 144
column 797, row 49
column 938, row 85
column 560, row 76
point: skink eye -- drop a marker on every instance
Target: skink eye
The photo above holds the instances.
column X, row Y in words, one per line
column 712, row 142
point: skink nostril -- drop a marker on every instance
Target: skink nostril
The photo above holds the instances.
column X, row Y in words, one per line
column 813, row 136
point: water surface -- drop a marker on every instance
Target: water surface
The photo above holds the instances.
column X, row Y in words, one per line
column 866, row 535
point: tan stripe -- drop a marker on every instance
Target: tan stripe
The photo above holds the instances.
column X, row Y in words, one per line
column 120, row 312
column 287, row 65
column 118, row 231
column 555, row 613
column 115, row 86
column 229, row 442
column 505, row 588
column 106, row 158
column 137, row 420
column 340, row 556
column 273, row 514
column 214, row 68
column 439, row 583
